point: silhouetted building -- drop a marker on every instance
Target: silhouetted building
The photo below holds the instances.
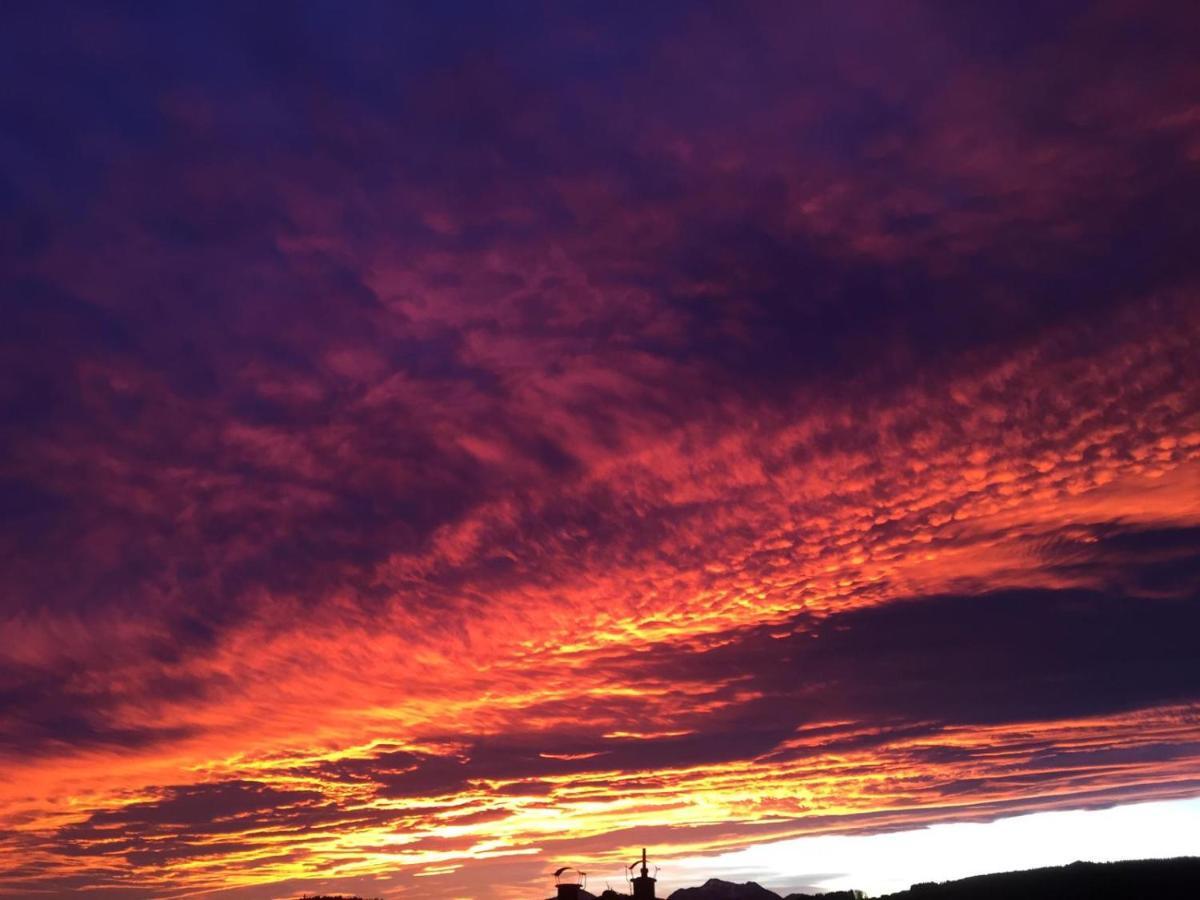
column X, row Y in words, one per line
column 643, row 884
column 568, row 884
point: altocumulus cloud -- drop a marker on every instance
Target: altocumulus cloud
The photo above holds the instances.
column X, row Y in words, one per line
column 437, row 443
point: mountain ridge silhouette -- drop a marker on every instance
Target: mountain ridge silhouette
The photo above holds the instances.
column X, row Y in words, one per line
column 1123, row 880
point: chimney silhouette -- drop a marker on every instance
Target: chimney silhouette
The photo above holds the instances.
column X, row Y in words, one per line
column 643, row 885
column 569, row 883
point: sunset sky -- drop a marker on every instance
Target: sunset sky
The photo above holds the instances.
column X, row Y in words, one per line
column 443, row 442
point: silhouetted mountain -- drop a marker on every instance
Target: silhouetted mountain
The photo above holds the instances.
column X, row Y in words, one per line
column 1131, row 880
column 716, row 889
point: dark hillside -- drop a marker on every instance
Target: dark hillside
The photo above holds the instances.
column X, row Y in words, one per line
column 1132, row 880
column 1150, row 878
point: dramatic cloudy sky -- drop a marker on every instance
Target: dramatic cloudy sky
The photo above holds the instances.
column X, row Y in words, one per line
column 440, row 443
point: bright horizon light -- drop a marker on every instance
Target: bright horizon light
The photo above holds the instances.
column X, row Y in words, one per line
column 884, row 863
